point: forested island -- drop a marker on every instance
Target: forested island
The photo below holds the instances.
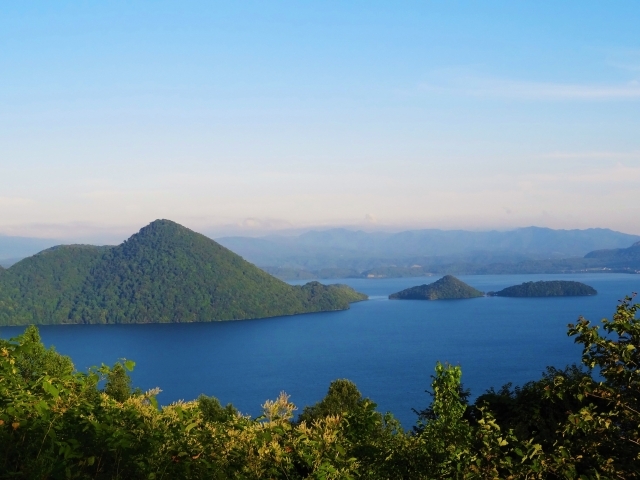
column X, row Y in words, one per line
column 165, row 273
column 555, row 288
column 447, row 288
column 572, row 423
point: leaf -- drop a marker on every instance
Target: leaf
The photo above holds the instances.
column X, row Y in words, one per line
column 190, row 426
column 129, row 364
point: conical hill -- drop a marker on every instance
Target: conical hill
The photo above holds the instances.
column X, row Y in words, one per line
column 164, row 273
column 447, row 288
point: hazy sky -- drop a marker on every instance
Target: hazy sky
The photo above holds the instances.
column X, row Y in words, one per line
column 245, row 117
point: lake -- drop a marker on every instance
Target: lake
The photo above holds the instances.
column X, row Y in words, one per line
column 387, row 347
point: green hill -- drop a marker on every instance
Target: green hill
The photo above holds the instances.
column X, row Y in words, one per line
column 447, row 288
column 556, row 288
column 165, row 273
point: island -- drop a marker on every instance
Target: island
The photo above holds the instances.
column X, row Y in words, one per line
column 555, row 288
column 165, row 273
column 447, row 288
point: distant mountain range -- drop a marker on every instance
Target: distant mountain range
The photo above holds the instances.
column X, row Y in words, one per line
column 164, row 273
column 340, row 253
column 12, row 249
column 532, row 242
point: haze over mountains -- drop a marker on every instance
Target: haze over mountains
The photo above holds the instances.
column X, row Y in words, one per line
column 618, row 257
column 342, row 252
column 13, row 249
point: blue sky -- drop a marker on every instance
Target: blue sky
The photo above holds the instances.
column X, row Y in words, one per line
column 253, row 117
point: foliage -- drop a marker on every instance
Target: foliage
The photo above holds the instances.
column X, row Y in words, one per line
column 529, row 410
column 342, row 397
column 213, row 411
column 608, row 427
column 37, row 289
column 573, row 423
column 447, row 288
column 554, row 288
column 165, row 273
column 428, row 414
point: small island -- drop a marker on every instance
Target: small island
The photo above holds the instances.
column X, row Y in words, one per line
column 556, row 288
column 447, row 288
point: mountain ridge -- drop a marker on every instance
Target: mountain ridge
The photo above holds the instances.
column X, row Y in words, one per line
column 361, row 251
column 342, row 253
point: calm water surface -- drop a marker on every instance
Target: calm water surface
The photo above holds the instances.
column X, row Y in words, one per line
column 388, row 348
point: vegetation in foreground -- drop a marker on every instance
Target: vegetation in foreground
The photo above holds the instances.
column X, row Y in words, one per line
column 166, row 273
column 580, row 422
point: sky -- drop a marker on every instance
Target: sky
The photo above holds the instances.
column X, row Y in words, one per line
column 250, row 118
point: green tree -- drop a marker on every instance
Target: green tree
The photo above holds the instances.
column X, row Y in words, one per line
column 342, row 397
column 213, row 411
column 602, row 438
column 35, row 360
column 529, row 410
column 118, row 384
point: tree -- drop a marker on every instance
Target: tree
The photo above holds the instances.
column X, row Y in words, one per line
column 118, row 384
column 213, row 411
column 342, row 397
column 603, row 437
column 35, row 360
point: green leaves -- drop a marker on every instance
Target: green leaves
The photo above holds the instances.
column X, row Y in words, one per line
column 50, row 389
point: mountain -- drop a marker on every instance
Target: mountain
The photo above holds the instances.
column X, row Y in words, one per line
column 164, row 273
column 556, row 288
column 618, row 258
column 447, row 288
column 358, row 253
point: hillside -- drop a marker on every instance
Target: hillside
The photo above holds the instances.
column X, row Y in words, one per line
column 447, row 288
column 556, row 288
column 165, row 273
column 45, row 285
column 628, row 258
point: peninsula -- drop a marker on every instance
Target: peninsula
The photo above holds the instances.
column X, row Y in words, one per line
column 447, row 288
column 166, row 273
column 556, row 288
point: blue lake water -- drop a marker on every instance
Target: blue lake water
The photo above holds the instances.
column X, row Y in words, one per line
column 388, row 348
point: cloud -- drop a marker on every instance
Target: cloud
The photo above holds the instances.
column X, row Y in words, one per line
column 595, row 155
column 469, row 84
column 368, row 218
